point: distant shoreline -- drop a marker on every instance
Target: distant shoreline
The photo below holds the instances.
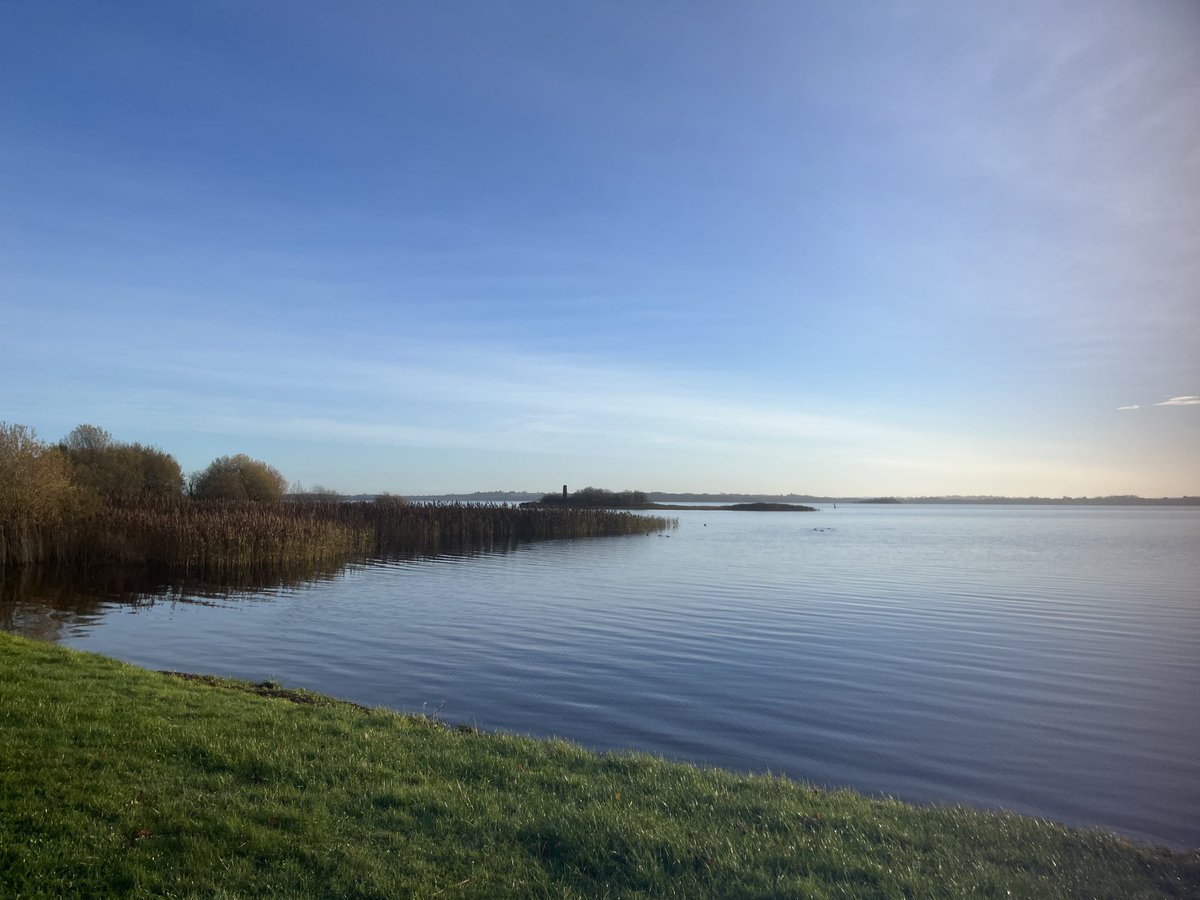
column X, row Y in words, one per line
column 662, row 500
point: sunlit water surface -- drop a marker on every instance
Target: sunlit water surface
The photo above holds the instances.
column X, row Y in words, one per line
column 1040, row 659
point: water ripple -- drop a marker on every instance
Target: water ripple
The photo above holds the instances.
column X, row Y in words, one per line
column 1039, row 659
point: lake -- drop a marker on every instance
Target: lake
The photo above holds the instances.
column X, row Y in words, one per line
column 1043, row 659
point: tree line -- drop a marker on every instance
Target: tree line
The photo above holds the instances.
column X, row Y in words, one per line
column 48, row 485
column 89, row 469
column 90, row 501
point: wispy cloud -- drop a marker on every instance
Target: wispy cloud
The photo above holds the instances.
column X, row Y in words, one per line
column 1134, row 406
column 1180, row 401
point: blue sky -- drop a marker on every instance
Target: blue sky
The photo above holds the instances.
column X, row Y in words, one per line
column 859, row 248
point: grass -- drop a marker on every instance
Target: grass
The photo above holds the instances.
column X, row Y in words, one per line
column 116, row 781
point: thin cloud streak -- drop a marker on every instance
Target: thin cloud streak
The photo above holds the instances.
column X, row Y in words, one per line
column 1180, row 401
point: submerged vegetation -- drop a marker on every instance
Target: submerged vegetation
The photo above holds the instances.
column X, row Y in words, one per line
column 90, row 502
column 116, row 781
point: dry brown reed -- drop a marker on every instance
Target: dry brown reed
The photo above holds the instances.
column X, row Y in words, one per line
column 227, row 539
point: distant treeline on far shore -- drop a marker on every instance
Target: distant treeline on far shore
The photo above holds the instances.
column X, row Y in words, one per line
column 667, row 497
column 1118, row 500
column 90, row 501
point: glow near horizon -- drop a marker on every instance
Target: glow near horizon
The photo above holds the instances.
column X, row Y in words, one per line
column 845, row 252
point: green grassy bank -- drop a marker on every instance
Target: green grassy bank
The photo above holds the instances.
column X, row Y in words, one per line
column 119, row 781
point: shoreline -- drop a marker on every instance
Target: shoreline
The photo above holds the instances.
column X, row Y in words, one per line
column 124, row 780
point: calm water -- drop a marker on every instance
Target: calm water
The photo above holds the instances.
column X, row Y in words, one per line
column 1041, row 659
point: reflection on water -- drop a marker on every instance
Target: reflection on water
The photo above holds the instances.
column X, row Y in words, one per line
column 41, row 602
column 1039, row 659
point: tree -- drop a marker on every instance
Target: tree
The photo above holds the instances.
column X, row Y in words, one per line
column 35, row 480
column 323, row 494
column 87, row 439
column 111, row 472
column 594, row 497
column 159, row 472
column 318, row 493
column 238, row 478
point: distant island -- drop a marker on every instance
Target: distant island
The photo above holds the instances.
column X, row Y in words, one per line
column 599, row 498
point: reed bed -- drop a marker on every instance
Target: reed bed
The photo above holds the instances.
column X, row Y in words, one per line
column 214, row 539
column 196, row 537
column 456, row 527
